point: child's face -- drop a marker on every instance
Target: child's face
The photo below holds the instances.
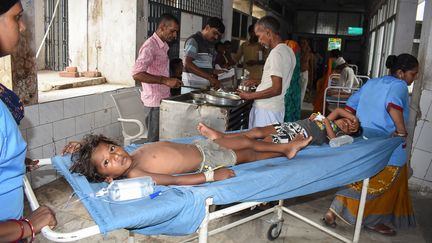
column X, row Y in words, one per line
column 111, row 161
column 347, row 126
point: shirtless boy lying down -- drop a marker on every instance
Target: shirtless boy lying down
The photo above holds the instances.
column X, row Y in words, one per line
column 100, row 159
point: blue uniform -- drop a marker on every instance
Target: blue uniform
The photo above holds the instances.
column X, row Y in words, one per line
column 372, row 102
column 12, row 168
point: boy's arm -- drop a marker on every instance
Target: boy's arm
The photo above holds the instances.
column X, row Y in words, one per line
column 191, row 179
column 339, row 112
column 330, row 133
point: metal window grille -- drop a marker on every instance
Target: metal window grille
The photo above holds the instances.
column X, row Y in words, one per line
column 156, row 10
column 204, row 8
column 211, row 8
column 56, row 46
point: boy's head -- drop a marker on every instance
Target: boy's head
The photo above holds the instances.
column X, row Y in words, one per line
column 100, row 159
column 348, row 127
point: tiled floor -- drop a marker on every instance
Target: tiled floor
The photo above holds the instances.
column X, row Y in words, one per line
column 73, row 216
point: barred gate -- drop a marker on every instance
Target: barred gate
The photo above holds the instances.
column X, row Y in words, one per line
column 204, row 8
column 56, row 45
column 156, row 10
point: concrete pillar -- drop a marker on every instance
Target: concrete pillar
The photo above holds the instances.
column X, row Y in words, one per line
column 23, row 63
column 227, row 13
column 405, row 23
column 420, row 129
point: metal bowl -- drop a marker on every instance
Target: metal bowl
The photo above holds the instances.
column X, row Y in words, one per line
column 196, row 101
column 197, row 95
column 222, row 98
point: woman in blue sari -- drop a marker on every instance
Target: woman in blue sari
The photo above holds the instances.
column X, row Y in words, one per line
column 13, row 227
column 382, row 104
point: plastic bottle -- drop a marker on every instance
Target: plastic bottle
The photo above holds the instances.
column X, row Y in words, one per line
column 341, row 140
column 129, row 189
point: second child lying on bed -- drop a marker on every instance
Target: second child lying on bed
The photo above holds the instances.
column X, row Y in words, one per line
column 339, row 122
column 100, row 159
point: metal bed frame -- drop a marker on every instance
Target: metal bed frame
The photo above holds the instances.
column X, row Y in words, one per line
column 331, row 86
column 203, row 231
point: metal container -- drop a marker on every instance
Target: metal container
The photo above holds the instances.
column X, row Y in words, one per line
column 246, row 88
column 179, row 116
column 222, row 98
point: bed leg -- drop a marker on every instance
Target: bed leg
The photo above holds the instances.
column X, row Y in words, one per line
column 360, row 212
column 203, row 230
column 276, row 222
column 131, row 238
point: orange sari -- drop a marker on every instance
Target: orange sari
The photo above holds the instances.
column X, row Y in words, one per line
column 322, row 85
column 387, row 201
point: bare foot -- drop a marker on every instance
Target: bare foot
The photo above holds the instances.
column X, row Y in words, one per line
column 208, row 132
column 296, row 145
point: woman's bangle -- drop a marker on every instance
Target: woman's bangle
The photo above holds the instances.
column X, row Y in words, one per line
column 22, row 229
column 400, row 134
column 33, row 233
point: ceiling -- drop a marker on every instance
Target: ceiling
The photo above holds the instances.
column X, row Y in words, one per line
column 334, row 5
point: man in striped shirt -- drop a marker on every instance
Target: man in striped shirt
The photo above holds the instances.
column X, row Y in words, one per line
column 152, row 70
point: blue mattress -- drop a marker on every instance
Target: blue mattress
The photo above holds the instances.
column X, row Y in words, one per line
column 180, row 209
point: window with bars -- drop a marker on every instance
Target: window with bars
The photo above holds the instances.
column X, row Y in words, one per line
column 204, row 8
column 327, row 23
column 382, row 28
column 239, row 29
column 56, row 46
column 211, row 8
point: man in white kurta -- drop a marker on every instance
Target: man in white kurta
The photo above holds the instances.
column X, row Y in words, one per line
column 269, row 107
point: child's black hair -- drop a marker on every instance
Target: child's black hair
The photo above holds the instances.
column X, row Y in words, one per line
column 358, row 133
column 81, row 158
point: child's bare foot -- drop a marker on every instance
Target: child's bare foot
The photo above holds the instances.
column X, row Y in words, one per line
column 296, row 145
column 209, row 132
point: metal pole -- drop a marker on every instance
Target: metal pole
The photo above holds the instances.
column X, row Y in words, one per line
column 361, row 210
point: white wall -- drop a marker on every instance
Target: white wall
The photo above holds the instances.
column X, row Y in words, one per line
column 49, row 126
column 190, row 24
column 39, row 31
column 227, row 13
column 110, row 25
column 405, row 23
column 421, row 153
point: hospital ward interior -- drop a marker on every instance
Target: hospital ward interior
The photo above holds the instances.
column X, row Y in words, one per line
column 216, row 121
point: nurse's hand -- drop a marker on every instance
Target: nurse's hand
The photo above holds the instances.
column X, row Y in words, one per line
column 172, row 82
column 71, row 147
column 41, row 217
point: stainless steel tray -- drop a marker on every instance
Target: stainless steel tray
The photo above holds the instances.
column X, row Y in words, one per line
column 222, row 98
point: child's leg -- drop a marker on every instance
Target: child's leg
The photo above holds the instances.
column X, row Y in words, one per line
column 254, row 133
column 243, row 143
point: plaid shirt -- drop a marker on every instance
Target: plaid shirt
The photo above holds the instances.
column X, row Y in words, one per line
column 153, row 59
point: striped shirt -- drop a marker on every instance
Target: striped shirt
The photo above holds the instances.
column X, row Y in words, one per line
column 153, row 59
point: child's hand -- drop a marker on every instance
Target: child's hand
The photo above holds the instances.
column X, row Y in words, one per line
column 353, row 124
column 312, row 116
column 71, row 147
column 222, row 174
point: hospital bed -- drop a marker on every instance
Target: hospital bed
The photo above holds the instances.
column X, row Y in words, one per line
column 333, row 85
column 183, row 210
